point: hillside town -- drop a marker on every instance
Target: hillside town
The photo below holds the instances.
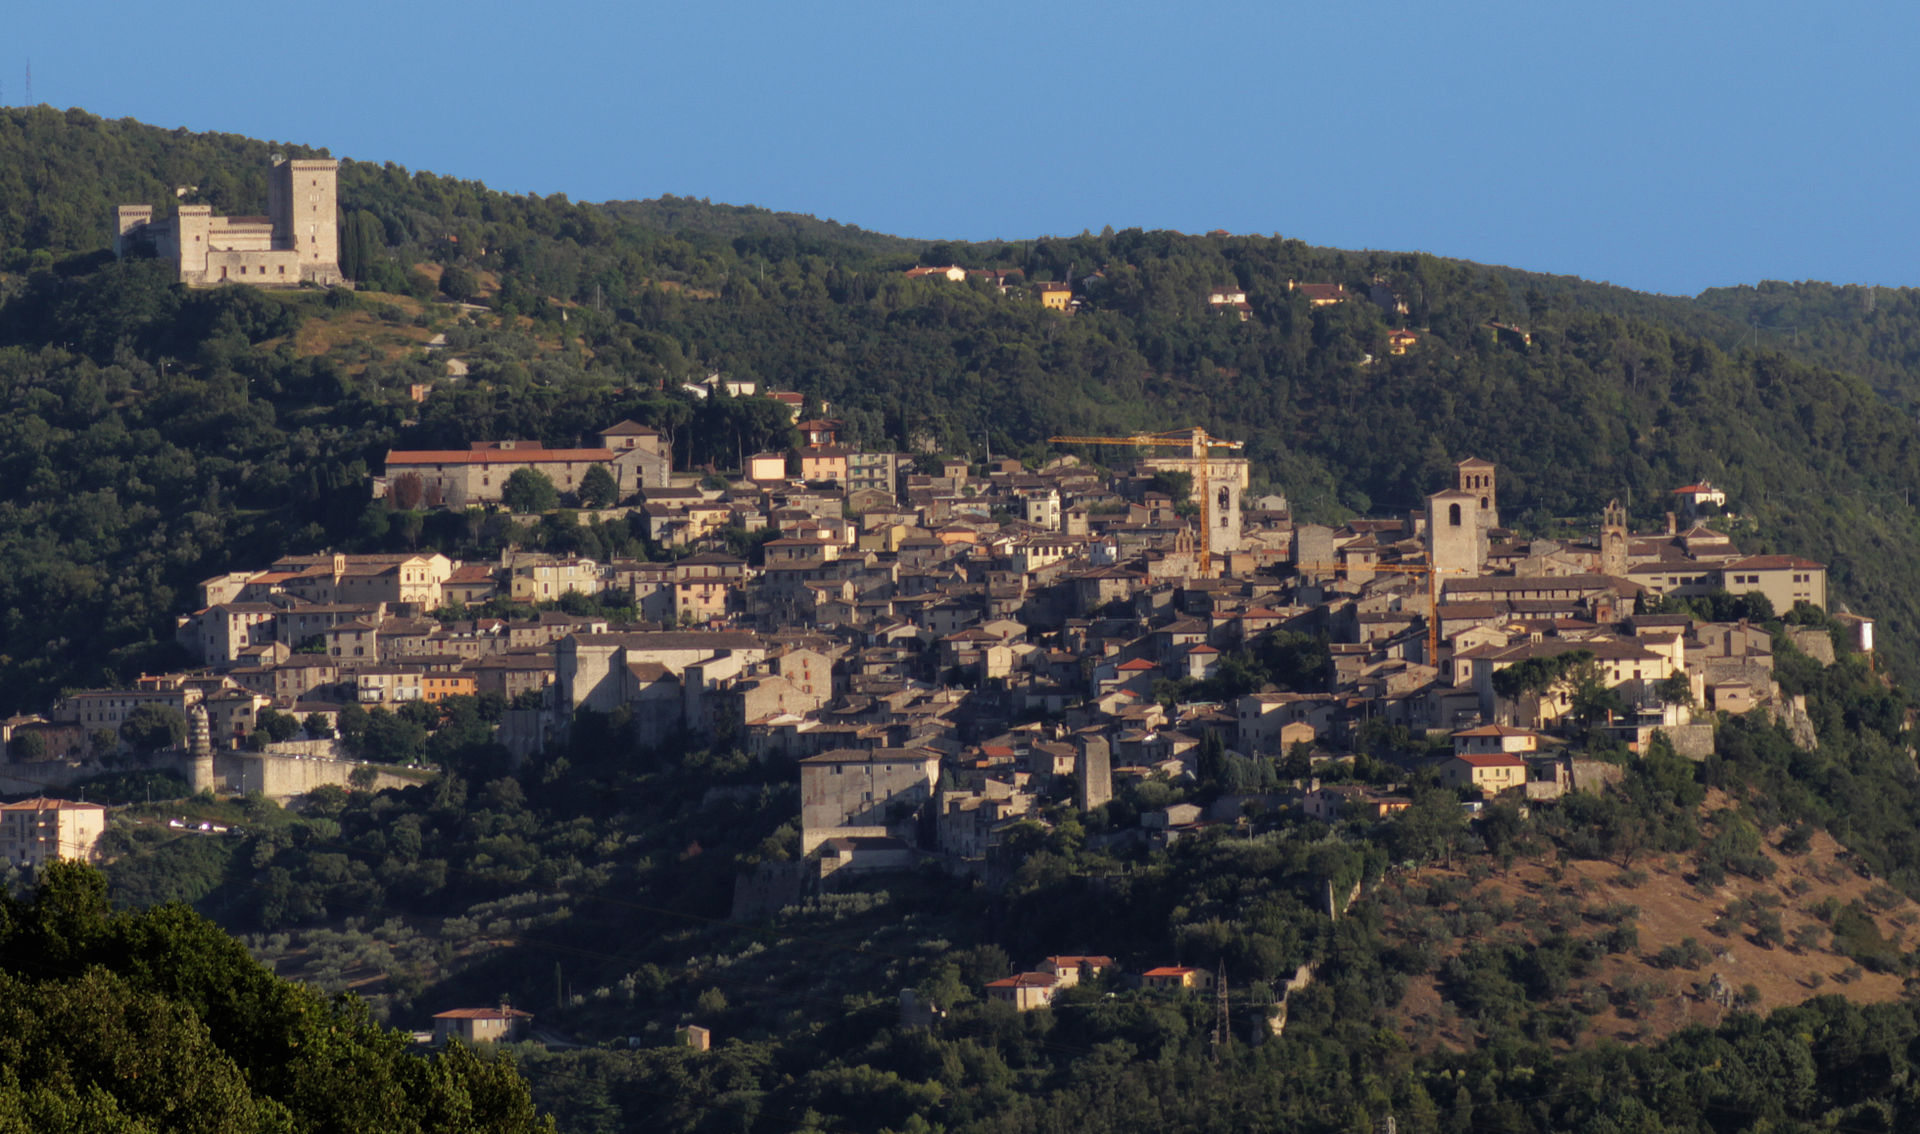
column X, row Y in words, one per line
column 945, row 649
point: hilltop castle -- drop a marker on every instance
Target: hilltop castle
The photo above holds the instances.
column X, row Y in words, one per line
column 298, row 239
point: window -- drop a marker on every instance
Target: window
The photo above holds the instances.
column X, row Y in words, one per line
column 1453, row 515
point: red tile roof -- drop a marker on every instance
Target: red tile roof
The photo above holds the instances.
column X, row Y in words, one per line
column 493, row 456
column 483, row 1014
column 1493, row 760
column 1026, row 980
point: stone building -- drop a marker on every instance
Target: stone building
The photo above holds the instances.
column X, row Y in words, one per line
column 637, row 457
column 862, row 792
column 296, row 242
column 481, row 1025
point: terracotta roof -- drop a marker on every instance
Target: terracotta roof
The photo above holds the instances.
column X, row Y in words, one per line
column 42, row 803
column 629, row 428
column 494, row 456
column 1772, row 563
column 1492, row 760
column 483, row 1014
column 1026, row 980
column 1495, row 730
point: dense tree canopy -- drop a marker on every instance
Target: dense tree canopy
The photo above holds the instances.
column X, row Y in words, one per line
column 159, row 1021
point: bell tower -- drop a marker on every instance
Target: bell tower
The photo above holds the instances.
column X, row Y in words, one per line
column 1475, row 477
column 1456, row 544
column 1613, row 540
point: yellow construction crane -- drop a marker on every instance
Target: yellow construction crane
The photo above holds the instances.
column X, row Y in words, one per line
column 1196, row 441
column 1433, row 592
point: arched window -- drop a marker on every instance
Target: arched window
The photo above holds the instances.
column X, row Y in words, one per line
column 1483, row 503
column 1453, row 515
column 1226, row 502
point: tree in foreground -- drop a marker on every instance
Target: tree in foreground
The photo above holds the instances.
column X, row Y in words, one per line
column 597, row 488
column 150, row 728
column 160, row 1021
column 529, row 491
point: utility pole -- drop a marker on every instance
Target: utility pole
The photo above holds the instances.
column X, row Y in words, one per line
column 1221, row 1035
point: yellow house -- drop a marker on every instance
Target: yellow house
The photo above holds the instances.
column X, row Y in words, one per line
column 824, row 462
column 437, row 686
column 1495, row 740
column 1399, row 341
column 1025, row 991
column 1174, row 976
column 1784, row 579
column 481, row 1025
column 38, row 831
column 886, row 537
column 544, row 582
column 767, row 466
column 1491, row 772
column 1054, row 296
column 1320, row 294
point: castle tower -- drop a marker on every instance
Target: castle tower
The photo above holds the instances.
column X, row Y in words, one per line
column 200, row 751
column 192, row 239
column 1476, row 478
column 129, row 219
column 302, row 203
column 1613, row 540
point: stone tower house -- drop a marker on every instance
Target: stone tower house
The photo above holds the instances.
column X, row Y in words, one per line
column 1093, row 772
column 1456, row 543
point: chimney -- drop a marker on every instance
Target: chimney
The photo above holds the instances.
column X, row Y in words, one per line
column 1672, row 529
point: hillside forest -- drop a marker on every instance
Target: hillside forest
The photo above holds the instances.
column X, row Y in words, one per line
column 1502, row 975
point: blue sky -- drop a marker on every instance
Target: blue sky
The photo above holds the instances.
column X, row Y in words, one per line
column 1667, row 147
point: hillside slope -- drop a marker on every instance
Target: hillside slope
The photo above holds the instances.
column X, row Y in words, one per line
column 1616, row 395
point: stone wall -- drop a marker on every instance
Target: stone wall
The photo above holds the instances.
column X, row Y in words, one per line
column 1813, row 642
column 282, row 777
column 1694, row 741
